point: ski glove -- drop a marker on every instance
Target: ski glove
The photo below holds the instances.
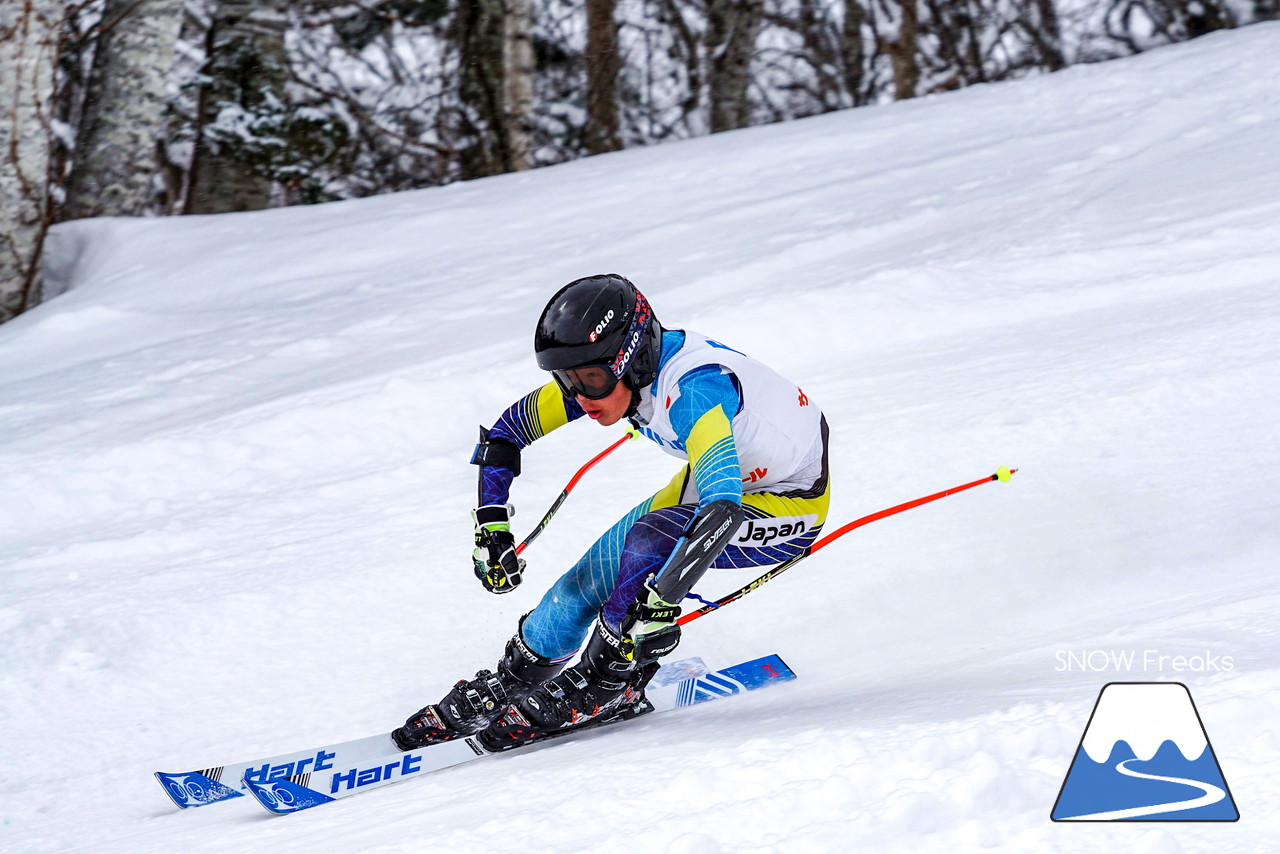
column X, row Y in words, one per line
column 650, row 625
column 494, row 558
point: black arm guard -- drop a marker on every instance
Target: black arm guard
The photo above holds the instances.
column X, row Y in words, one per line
column 709, row 531
column 496, row 452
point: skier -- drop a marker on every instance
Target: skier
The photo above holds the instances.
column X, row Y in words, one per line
column 754, row 492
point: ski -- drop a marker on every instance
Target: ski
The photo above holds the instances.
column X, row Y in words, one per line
column 315, row 788
column 204, row 786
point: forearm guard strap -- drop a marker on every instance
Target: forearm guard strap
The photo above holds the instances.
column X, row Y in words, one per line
column 496, row 452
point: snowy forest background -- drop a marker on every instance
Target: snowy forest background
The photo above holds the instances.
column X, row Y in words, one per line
column 170, row 107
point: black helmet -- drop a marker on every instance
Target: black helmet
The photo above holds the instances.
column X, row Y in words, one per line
column 604, row 321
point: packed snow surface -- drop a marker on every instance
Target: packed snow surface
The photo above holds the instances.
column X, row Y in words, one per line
column 235, row 490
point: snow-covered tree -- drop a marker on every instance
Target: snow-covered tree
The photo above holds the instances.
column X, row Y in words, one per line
column 270, row 102
column 243, row 108
column 28, row 58
column 252, row 140
column 114, row 165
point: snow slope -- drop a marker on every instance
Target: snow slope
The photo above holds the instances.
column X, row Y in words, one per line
column 234, row 491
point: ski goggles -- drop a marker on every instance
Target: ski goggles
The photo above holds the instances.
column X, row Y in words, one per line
column 594, row 382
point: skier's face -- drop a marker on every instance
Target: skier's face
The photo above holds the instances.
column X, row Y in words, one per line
column 609, row 410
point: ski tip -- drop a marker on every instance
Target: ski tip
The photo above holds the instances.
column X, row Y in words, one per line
column 1004, row 473
column 194, row 789
column 775, row 669
column 280, row 797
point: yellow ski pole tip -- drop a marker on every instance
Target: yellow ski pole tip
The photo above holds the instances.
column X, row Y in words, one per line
column 633, row 433
column 1004, row 473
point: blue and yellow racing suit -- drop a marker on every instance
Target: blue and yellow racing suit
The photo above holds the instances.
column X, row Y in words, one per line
column 722, row 412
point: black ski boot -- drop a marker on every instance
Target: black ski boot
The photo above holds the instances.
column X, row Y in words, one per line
column 605, row 682
column 473, row 704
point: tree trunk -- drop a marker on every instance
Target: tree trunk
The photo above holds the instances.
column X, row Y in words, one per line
column 114, row 164
column 1046, row 34
column 902, row 53
column 28, row 57
column 732, row 26
column 519, row 66
column 603, row 64
column 853, row 52
column 484, row 147
column 247, row 66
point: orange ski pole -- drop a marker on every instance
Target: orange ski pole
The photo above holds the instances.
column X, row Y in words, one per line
column 564, row 493
column 1002, row 474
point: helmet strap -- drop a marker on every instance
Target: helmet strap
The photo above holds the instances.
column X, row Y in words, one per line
column 635, row 399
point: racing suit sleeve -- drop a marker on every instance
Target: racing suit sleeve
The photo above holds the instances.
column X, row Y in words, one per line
column 528, row 419
column 702, row 417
